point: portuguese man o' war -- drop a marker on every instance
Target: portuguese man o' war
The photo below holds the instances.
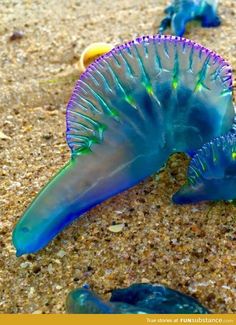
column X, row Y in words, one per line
column 130, row 110
column 141, row 298
column 212, row 172
column 180, row 12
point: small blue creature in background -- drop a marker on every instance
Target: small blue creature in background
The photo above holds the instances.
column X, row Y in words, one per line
column 142, row 298
column 180, row 12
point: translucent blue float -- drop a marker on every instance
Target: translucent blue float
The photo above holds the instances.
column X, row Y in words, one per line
column 131, row 109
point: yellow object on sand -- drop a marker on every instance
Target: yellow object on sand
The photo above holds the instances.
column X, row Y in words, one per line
column 92, row 52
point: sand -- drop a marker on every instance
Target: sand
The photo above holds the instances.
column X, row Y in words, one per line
column 189, row 248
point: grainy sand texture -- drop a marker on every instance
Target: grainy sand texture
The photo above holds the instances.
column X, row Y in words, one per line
column 188, row 248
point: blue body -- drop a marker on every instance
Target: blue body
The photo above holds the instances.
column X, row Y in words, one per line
column 130, row 110
column 136, row 299
column 212, row 172
column 180, row 12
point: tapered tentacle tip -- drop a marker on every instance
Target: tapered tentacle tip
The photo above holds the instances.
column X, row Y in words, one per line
column 17, row 246
column 178, row 198
column 19, row 253
column 19, row 241
column 188, row 194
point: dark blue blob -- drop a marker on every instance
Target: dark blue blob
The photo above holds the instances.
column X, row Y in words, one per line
column 180, row 12
column 140, row 298
column 210, row 17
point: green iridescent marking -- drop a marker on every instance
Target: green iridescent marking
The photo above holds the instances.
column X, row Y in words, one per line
column 129, row 99
column 195, row 171
column 113, row 113
column 202, row 76
column 101, row 129
column 82, row 151
column 234, row 155
column 226, row 92
column 175, row 80
column 202, row 164
column 148, row 88
column 191, row 180
column 93, row 140
column 213, row 154
column 175, row 83
column 198, row 86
